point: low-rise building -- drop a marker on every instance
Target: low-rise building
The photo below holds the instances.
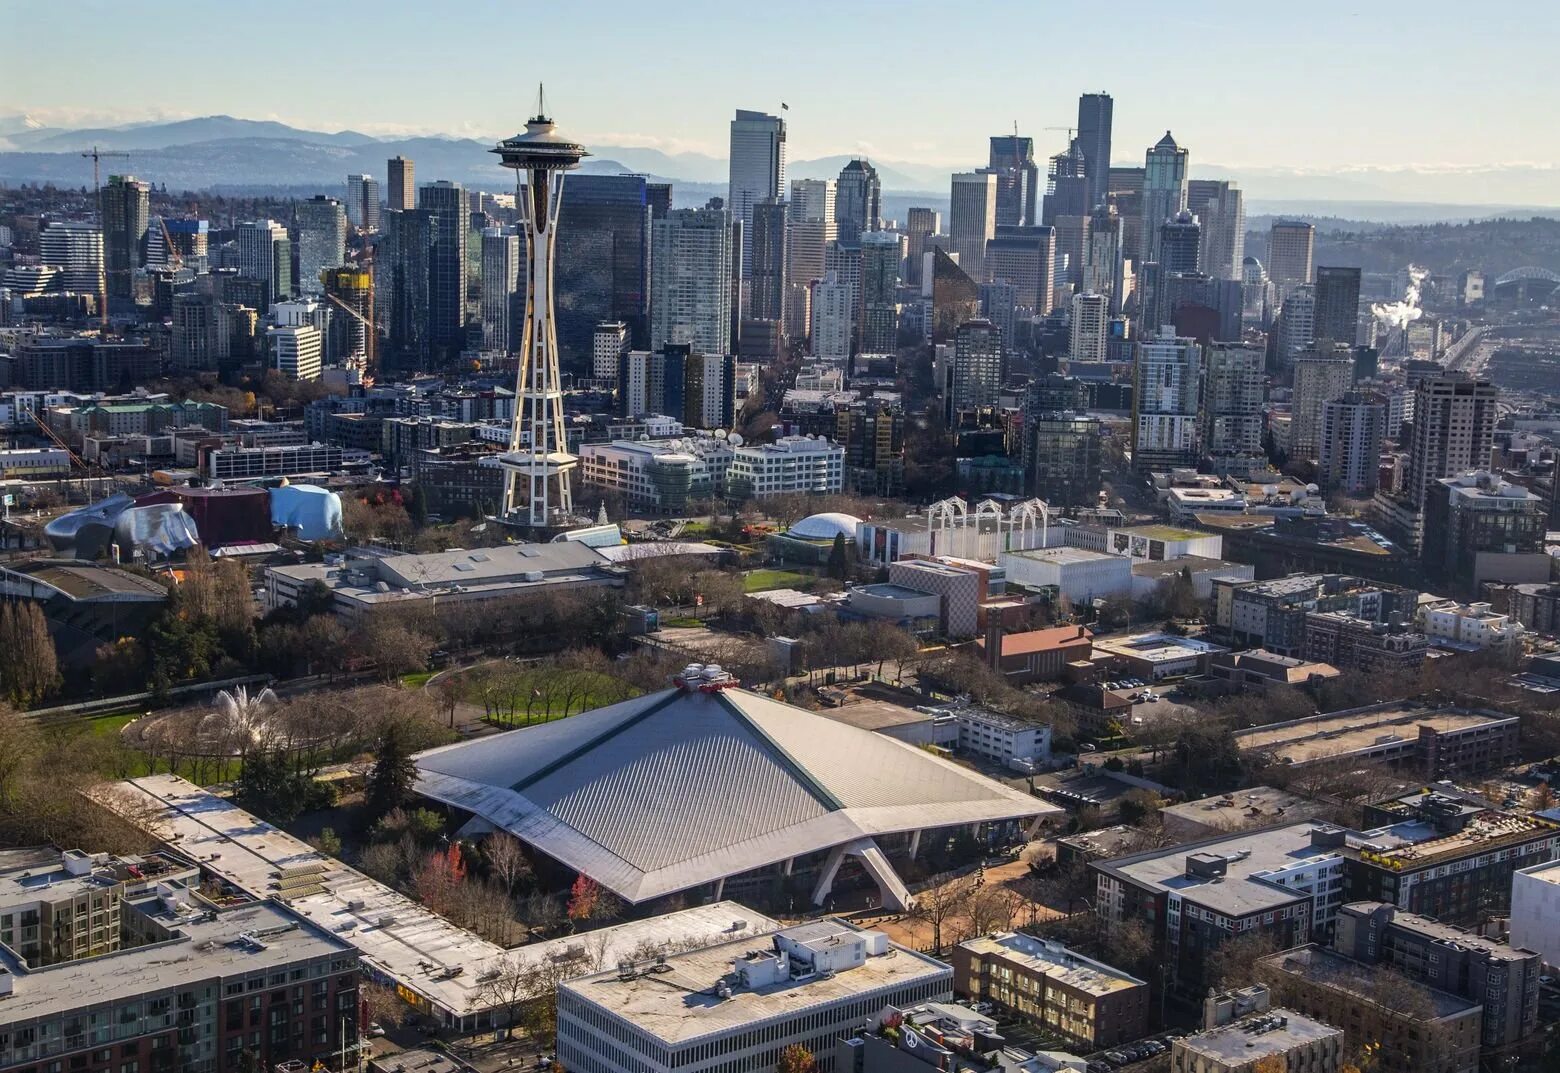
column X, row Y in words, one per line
column 1159, row 543
column 1154, row 656
column 1241, row 810
column 1537, row 607
column 34, row 463
column 1258, row 668
column 961, row 588
column 1091, row 1004
column 1149, row 575
column 1242, row 1032
column 233, row 463
column 1001, row 738
column 1354, row 642
column 1432, row 743
column 1272, row 614
column 657, row 476
column 1078, row 574
column 739, row 1005
column 1039, row 655
column 914, row 610
column 791, row 465
column 1470, row 627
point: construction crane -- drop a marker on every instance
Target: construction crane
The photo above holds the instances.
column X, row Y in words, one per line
column 97, row 195
column 175, row 258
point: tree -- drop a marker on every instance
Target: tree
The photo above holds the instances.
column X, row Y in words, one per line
column 328, row 842
column 507, row 860
column 28, row 671
column 937, row 906
column 1138, row 805
column 381, row 1004
column 796, row 1059
column 583, row 896
column 1233, row 962
column 394, row 773
column 839, row 558
column 395, row 646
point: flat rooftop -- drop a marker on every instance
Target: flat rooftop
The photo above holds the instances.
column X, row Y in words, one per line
column 1331, row 969
column 401, row 938
column 207, row 945
column 1255, row 806
column 1065, row 554
column 89, row 581
column 1449, row 933
column 1346, row 733
column 1156, row 647
column 1196, row 564
column 1055, row 961
column 1162, row 532
column 681, row 1004
column 876, row 715
column 1414, row 844
column 1259, row 1036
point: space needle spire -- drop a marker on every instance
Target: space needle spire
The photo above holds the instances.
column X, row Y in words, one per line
column 538, row 464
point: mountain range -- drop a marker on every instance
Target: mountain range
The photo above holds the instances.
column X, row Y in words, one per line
column 246, row 155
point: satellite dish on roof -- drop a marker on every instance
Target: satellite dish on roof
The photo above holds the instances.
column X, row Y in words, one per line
column 735, row 439
column 721, row 434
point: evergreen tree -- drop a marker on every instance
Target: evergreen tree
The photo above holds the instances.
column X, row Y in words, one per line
column 28, row 669
column 839, row 558
column 394, row 773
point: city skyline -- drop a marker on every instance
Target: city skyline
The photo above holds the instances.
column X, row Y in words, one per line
column 1285, row 116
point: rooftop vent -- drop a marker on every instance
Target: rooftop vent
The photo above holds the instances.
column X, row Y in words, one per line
column 704, row 678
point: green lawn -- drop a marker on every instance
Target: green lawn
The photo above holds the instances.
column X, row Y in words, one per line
column 762, row 580
column 519, row 696
column 417, row 679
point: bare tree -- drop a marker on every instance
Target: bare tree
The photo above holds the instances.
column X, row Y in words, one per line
column 938, row 906
column 506, row 857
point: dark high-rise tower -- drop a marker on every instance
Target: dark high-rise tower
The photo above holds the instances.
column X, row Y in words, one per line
column 1180, row 241
column 446, row 201
column 126, row 213
column 1018, row 178
column 1164, row 190
column 858, row 202
column 603, row 262
column 1066, row 184
column 1337, row 304
column 1094, row 116
column 768, row 286
column 403, row 267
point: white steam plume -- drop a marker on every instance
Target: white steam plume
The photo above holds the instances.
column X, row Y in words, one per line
column 1401, row 314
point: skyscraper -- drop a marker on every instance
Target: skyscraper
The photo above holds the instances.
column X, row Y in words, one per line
column 882, row 252
column 920, row 224
column 538, row 462
column 322, row 241
column 1291, row 248
column 831, row 308
column 858, row 202
column 1090, row 322
column 955, row 297
column 1296, row 324
column 1220, row 208
column 607, row 350
column 767, row 289
column 126, row 212
column 1337, row 304
column 1454, row 429
column 501, row 267
column 1012, row 160
column 972, row 220
column 1025, row 256
column 1349, row 459
column 1094, row 120
column 1233, row 397
column 447, row 266
column 1102, row 263
column 403, row 269
column 1320, row 377
column 1066, row 184
column 402, row 184
column 690, row 286
column 977, row 368
column 603, row 261
column 1062, row 458
column 1166, row 392
column 811, row 227
column 265, row 254
column 1164, row 190
column 757, row 168
column 363, row 202
column 1180, row 244
column 352, row 343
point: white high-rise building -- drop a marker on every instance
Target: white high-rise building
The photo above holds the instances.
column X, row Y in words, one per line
column 811, row 229
column 1166, row 398
column 609, row 345
column 1291, row 255
column 363, row 202
column 690, row 280
column 1218, row 203
column 299, row 351
column 75, row 247
column 972, row 220
column 1090, row 322
column 501, row 270
column 265, row 254
column 322, row 241
column 831, row 308
column 1349, row 448
column 757, row 169
column 1319, row 378
column 1296, row 324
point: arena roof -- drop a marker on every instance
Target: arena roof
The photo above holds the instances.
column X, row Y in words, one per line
column 825, row 527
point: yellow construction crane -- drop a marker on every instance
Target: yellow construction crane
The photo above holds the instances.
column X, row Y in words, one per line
column 97, row 195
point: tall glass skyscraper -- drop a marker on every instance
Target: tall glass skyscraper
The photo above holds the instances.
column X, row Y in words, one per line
column 126, row 213
column 603, row 261
column 691, row 280
column 767, row 292
column 322, row 241
column 757, row 169
column 446, row 202
column 1094, row 120
column 1164, row 190
column 858, row 202
column 1012, row 158
column 403, row 269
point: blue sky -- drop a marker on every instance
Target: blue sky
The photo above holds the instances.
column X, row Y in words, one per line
column 1322, row 84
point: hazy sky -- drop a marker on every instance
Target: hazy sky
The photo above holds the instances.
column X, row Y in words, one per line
column 1322, row 84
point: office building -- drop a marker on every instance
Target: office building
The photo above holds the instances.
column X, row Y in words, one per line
column 1093, row 1006
column 1234, row 394
column 125, row 213
column 757, row 164
column 501, row 268
column 402, row 277
column 1164, row 190
column 1180, row 244
column 1102, row 264
column 1479, row 528
column 449, row 217
column 1026, row 258
column 265, row 254
column 1296, row 327
column 362, row 204
column 351, row 342
column 299, row 351
column 75, row 247
column 1454, row 430
column 882, row 252
column 1090, row 326
column 1072, row 244
column 1012, row 160
column 920, row 225
column 1291, row 255
column 694, row 389
column 1337, row 304
column 1243, row 1033
column 955, row 296
column 811, row 231
column 691, row 279
column 1220, row 207
column 322, row 241
column 976, row 372
column 1320, row 377
column 1094, row 123
column 1066, row 185
column 972, row 220
column 858, row 202
column 767, row 286
column 809, row 985
column 603, row 261
column 657, row 476
column 608, row 349
column 401, row 185
column 1349, row 439
column 1166, row 397
column 1062, row 457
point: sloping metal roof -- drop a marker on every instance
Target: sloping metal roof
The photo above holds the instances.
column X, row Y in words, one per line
column 681, row 788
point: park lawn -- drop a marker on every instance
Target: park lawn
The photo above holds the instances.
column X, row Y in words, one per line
column 762, row 580
column 417, row 679
column 106, row 726
column 536, row 699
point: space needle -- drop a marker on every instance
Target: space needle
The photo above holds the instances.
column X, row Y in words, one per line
column 537, row 488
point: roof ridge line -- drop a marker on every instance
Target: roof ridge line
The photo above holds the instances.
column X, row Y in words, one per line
column 591, row 742
column 819, row 792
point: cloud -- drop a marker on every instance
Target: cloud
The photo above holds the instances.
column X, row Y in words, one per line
column 640, row 140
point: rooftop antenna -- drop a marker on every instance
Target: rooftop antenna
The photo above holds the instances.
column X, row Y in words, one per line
column 541, row 107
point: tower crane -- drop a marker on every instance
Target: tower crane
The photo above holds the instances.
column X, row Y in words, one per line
column 97, row 195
